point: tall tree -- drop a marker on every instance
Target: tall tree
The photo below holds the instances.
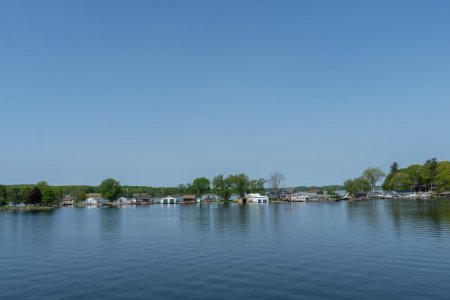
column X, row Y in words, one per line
column 353, row 186
column 239, row 183
column 394, row 167
column 35, row 196
column 200, row 186
column 42, row 184
column 430, row 169
column 401, row 181
column 222, row 187
column 110, row 189
column 48, row 196
column 373, row 175
column 415, row 172
column 274, row 182
column 256, row 185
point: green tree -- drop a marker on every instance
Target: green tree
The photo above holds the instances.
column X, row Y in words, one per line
column 48, row 196
column 415, row 172
column 443, row 176
column 429, row 171
column 42, row 185
column 200, row 186
column 401, row 181
column 355, row 185
column 15, row 196
column 373, row 175
column 222, row 187
column 239, row 183
column 331, row 192
column 110, row 189
column 35, row 196
column 394, row 167
column 386, row 185
column 181, row 189
column 257, row 185
column 3, row 195
column 82, row 196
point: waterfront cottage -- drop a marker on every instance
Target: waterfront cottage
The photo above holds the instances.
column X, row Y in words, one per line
column 257, row 198
column 169, row 200
column 68, row 200
column 189, row 199
column 143, row 198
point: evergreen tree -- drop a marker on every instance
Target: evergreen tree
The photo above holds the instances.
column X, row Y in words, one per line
column 35, row 196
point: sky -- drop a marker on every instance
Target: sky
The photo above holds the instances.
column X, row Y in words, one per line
column 158, row 93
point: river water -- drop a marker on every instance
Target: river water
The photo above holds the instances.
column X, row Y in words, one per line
column 383, row 249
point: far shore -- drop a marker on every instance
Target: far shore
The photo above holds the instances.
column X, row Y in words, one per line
column 28, row 208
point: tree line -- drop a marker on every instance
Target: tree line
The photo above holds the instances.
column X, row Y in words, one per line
column 110, row 188
column 223, row 186
column 429, row 176
column 432, row 175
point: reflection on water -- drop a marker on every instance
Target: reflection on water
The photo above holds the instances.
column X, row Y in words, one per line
column 396, row 249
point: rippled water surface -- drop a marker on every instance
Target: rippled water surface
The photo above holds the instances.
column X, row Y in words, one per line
column 367, row 250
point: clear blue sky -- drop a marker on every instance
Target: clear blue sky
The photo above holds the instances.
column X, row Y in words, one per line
column 161, row 92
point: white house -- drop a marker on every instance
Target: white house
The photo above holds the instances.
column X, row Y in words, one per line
column 257, row 198
column 169, row 200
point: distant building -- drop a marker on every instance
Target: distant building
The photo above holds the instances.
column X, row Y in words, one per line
column 143, row 198
column 288, row 194
column 68, row 200
column 189, row 198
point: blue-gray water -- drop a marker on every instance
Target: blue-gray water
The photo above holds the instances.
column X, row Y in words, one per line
column 385, row 249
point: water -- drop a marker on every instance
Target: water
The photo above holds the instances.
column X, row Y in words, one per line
column 386, row 249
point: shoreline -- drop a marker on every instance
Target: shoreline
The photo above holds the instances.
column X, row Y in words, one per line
column 27, row 208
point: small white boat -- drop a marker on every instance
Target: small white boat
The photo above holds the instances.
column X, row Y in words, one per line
column 123, row 201
column 91, row 201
